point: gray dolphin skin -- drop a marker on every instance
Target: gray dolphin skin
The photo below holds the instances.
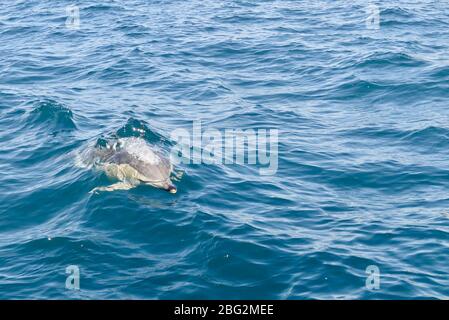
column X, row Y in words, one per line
column 132, row 161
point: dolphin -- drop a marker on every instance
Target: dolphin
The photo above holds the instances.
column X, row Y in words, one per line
column 132, row 161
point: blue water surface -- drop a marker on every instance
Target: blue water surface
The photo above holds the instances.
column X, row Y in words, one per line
column 363, row 171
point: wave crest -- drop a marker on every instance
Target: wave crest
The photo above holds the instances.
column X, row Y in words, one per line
column 55, row 114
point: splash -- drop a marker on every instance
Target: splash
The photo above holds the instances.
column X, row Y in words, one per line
column 135, row 136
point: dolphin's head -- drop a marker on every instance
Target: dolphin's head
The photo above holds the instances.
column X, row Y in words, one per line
column 172, row 188
column 165, row 185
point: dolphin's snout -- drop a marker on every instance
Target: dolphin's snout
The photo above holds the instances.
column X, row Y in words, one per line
column 172, row 189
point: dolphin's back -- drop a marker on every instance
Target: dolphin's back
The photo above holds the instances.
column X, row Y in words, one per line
column 149, row 172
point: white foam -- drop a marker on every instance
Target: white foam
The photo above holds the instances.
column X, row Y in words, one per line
column 82, row 160
column 140, row 149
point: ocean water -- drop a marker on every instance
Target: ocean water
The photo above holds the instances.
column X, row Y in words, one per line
column 363, row 147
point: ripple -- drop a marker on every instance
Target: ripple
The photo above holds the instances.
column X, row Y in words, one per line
column 363, row 154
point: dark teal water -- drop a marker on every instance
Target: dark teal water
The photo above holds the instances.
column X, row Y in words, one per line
column 363, row 173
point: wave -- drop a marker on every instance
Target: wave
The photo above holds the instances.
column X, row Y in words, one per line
column 53, row 115
column 141, row 129
column 426, row 137
column 388, row 60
